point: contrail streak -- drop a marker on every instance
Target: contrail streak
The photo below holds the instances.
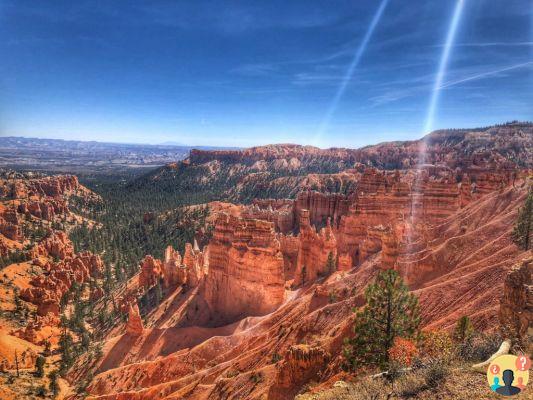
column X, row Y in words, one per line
column 484, row 74
column 443, row 65
column 351, row 68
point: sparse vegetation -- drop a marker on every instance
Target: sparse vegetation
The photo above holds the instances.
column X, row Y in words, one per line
column 390, row 312
column 39, row 366
column 463, row 329
column 523, row 229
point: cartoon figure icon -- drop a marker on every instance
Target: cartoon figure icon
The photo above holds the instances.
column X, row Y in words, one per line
column 508, row 389
column 508, row 374
column 496, row 384
column 520, row 383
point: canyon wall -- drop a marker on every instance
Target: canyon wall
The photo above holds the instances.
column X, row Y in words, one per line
column 246, row 271
column 516, row 303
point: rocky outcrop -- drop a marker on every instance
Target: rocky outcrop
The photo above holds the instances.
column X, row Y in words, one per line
column 322, row 207
column 173, row 271
column 195, row 263
column 279, row 212
column 45, row 208
column 516, row 303
column 56, row 245
column 47, row 289
column 290, row 247
column 151, row 272
column 51, row 186
column 245, row 269
column 134, row 326
column 10, row 225
column 301, row 364
column 315, row 248
column 389, row 248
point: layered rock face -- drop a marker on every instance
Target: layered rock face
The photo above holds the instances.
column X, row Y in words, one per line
column 314, row 250
column 196, row 264
column 322, row 207
column 279, row 212
column 134, row 326
column 29, row 201
column 516, row 303
column 174, row 270
column 10, row 225
column 46, row 290
column 151, row 272
column 300, row 364
column 51, row 186
column 246, row 272
column 56, row 245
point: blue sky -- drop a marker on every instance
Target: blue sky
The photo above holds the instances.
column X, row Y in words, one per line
column 242, row 73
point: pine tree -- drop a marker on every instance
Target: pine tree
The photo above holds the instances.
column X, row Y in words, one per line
column 158, row 293
column 53, row 385
column 66, row 349
column 47, row 347
column 390, row 312
column 17, row 301
column 39, row 366
column 330, row 263
column 523, row 229
column 463, row 329
column 108, row 279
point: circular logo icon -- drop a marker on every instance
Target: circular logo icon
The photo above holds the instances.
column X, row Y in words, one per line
column 508, row 375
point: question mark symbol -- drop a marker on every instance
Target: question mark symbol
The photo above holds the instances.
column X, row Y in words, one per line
column 523, row 363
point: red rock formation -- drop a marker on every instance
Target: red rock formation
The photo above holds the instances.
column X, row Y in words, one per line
column 51, row 186
column 314, row 250
column 46, row 290
column 344, row 262
column 516, row 303
column 389, row 248
column 10, row 225
column 173, row 271
column 245, row 269
column 280, row 212
column 45, row 208
column 195, row 263
column 55, row 245
column 134, row 326
column 322, row 207
column 289, row 246
column 301, row 364
column 151, row 272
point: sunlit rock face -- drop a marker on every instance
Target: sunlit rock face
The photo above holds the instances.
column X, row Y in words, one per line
column 46, row 290
column 246, row 272
column 134, row 326
column 315, row 248
column 516, row 303
column 151, row 272
column 321, row 207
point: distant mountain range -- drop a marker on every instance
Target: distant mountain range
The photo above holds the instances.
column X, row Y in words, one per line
column 76, row 155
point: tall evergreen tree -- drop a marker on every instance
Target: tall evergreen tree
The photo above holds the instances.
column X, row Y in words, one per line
column 463, row 329
column 39, row 366
column 523, row 229
column 66, row 349
column 390, row 311
column 330, row 263
column 53, row 385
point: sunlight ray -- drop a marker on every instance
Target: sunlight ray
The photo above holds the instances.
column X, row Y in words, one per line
column 349, row 73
